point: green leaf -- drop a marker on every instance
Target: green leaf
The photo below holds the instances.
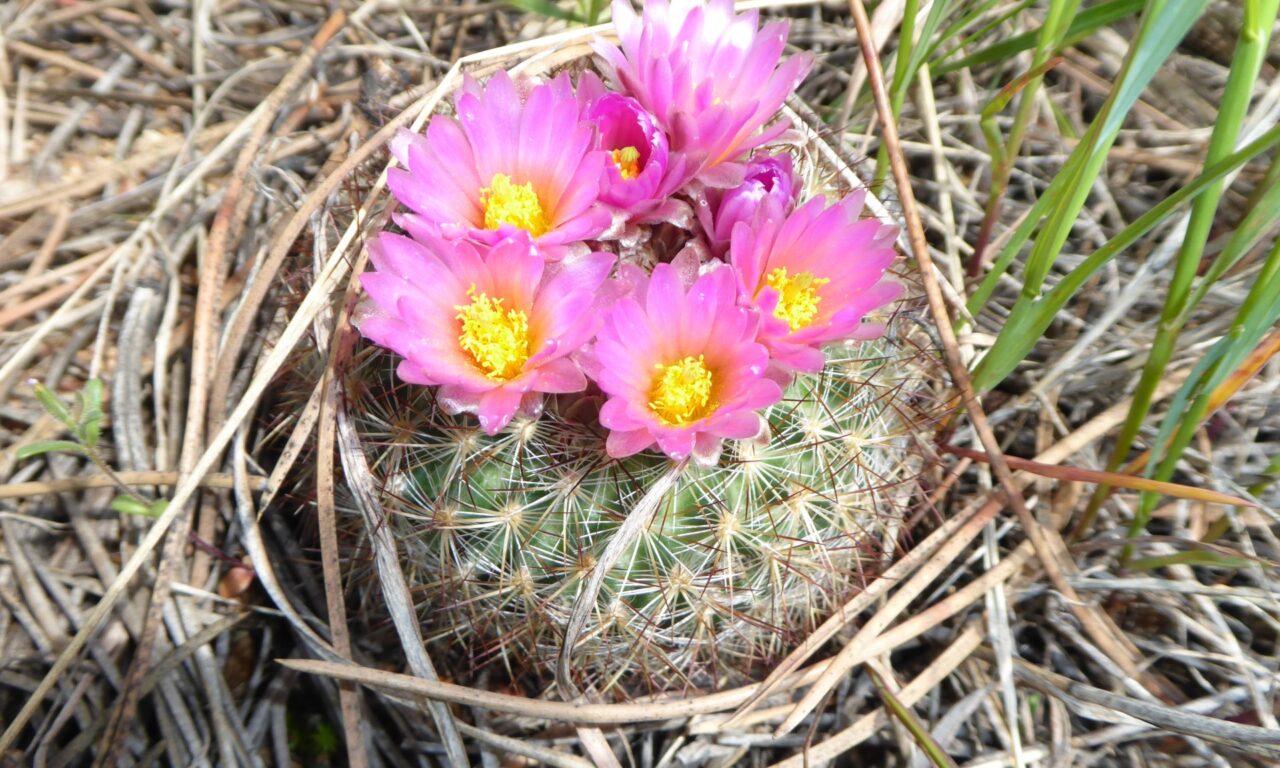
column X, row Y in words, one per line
column 132, row 505
column 91, row 430
column 91, row 415
column 324, row 740
column 1202, row 557
column 47, row 446
column 91, row 396
column 546, row 8
column 53, row 405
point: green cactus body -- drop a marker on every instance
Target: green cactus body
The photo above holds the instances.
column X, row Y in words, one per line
column 499, row 534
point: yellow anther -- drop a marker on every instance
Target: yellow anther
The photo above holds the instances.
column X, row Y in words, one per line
column 798, row 297
column 681, row 391
column 628, row 161
column 497, row 341
column 517, row 204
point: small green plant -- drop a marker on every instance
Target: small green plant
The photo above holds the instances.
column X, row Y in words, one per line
column 588, row 12
column 84, row 422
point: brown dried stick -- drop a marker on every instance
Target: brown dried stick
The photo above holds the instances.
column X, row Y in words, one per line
column 72, row 484
column 348, row 695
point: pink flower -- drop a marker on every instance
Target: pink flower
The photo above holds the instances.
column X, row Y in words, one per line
column 768, row 191
column 638, row 180
column 506, row 164
column 710, row 77
column 813, row 277
column 493, row 327
column 681, row 367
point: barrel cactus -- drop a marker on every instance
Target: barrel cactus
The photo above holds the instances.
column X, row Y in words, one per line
column 654, row 296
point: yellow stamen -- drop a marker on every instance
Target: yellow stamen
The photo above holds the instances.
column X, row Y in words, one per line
column 497, row 341
column 798, row 297
column 628, row 161
column 517, row 204
column 681, row 392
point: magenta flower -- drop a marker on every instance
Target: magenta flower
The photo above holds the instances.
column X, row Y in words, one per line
column 492, row 327
column 768, row 191
column 506, row 164
column 814, row 276
column 641, row 174
column 709, row 76
column 681, row 367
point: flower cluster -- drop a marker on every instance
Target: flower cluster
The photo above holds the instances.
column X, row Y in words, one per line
column 538, row 254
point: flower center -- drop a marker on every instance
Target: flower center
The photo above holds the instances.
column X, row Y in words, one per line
column 517, row 204
column 628, row 161
column 682, row 391
column 497, row 341
column 798, row 297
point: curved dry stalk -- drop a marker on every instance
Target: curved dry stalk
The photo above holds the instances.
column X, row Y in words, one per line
column 637, row 520
column 579, row 713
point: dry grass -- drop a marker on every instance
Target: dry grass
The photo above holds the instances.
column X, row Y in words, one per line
column 186, row 190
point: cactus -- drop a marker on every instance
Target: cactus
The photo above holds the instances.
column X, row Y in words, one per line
column 516, row 511
column 498, row 533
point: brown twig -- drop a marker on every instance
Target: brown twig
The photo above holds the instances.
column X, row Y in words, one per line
column 73, row 484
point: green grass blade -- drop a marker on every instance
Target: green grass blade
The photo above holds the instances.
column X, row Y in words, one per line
column 1259, row 312
column 1263, row 215
column 920, row 52
column 1164, row 25
column 1196, row 557
column 955, row 27
column 898, row 85
column 1082, row 25
column 548, row 9
column 1269, row 477
column 932, row 750
column 1031, row 317
column 1251, row 50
